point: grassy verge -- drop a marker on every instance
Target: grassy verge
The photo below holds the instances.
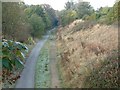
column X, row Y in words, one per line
column 42, row 75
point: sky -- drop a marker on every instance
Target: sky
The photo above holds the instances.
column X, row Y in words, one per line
column 59, row 4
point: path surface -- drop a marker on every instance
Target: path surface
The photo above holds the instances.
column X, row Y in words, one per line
column 27, row 76
column 55, row 83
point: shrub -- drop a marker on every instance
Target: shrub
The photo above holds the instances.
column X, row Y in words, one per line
column 13, row 54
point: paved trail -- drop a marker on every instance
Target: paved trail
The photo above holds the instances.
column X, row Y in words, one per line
column 27, row 76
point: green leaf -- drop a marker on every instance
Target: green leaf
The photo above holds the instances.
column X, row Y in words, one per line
column 13, row 54
column 20, row 46
column 18, row 64
column 6, row 63
column 20, row 54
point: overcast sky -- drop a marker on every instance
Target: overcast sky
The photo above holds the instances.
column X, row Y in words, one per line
column 59, row 4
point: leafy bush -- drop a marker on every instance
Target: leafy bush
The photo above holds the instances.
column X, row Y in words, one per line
column 13, row 54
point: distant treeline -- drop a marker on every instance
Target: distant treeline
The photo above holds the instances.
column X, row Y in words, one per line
column 83, row 10
column 20, row 21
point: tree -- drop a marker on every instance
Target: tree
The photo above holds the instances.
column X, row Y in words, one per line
column 69, row 5
column 109, row 15
column 84, row 8
column 51, row 13
column 44, row 11
column 67, row 16
column 14, row 22
column 38, row 26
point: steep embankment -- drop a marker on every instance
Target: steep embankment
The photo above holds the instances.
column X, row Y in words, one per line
column 88, row 55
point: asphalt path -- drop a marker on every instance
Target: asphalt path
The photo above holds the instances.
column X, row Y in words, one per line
column 27, row 76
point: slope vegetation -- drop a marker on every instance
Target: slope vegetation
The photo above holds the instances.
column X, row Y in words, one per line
column 88, row 55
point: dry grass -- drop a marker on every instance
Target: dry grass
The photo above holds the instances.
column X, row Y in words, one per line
column 89, row 55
